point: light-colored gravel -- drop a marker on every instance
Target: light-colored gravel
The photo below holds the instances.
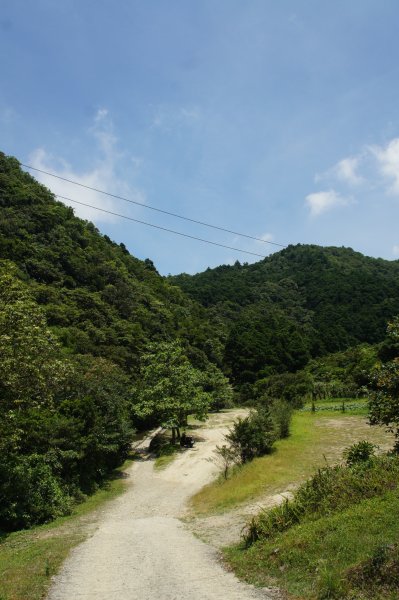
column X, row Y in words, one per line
column 141, row 550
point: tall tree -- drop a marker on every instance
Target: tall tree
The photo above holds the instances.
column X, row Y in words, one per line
column 170, row 389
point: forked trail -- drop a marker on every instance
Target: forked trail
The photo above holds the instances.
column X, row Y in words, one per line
column 141, row 550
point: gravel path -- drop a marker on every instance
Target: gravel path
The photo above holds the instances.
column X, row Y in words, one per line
column 141, row 550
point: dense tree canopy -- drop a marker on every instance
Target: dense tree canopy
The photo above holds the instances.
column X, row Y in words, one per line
column 170, row 388
column 97, row 298
column 300, row 301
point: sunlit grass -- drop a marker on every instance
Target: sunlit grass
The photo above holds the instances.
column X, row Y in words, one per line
column 315, row 439
column 311, row 560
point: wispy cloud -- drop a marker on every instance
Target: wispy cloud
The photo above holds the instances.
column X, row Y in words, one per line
column 266, row 237
column 374, row 168
column 388, row 163
column 102, row 176
column 395, row 250
column 321, row 202
column 168, row 119
column 344, row 171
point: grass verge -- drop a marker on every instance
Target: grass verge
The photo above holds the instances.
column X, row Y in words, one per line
column 315, row 438
column 316, row 560
column 168, row 456
column 29, row 558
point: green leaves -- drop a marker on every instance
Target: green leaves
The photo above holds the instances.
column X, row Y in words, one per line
column 30, row 368
column 384, row 396
column 170, row 388
column 253, row 435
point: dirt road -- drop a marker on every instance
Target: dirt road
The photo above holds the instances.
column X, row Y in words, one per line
column 141, row 550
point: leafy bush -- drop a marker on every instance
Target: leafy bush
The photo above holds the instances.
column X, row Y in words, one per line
column 253, row 436
column 281, row 412
column 30, row 493
column 358, row 453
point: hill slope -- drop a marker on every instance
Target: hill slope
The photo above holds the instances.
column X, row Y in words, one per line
column 97, row 298
column 327, row 299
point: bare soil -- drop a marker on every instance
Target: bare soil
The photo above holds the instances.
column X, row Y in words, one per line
column 141, row 547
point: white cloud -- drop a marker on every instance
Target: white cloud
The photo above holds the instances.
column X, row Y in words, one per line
column 102, row 176
column 321, row 202
column 346, row 170
column 388, row 162
column 101, row 114
column 395, row 250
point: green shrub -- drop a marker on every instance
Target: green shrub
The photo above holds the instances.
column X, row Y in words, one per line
column 253, row 436
column 359, row 453
column 281, row 412
column 30, row 493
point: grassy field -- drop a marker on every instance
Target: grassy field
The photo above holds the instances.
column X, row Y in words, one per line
column 29, row 558
column 315, row 438
column 314, row 560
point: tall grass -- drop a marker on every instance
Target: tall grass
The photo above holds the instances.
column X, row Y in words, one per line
column 347, row 550
column 331, row 489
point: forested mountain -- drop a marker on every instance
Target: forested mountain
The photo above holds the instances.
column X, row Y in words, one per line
column 97, row 298
column 95, row 343
column 79, row 316
column 303, row 301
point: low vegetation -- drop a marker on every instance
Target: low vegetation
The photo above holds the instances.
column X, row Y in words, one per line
column 317, row 545
column 315, row 438
column 318, row 559
column 330, row 490
column 29, row 558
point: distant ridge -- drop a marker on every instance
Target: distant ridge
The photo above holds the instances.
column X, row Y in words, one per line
column 333, row 297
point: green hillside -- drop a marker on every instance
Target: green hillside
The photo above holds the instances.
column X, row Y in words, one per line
column 95, row 343
column 302, row 302
column 79, row 318
column 97, row 298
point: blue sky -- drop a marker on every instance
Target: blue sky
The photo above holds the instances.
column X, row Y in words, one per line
column 278, row 119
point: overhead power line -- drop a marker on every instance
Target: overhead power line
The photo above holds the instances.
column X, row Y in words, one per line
column 192, row 237
column 165, row 212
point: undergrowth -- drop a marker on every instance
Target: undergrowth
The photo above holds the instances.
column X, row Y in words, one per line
column 29, row 558
column 338, row 538
column 331, row 489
